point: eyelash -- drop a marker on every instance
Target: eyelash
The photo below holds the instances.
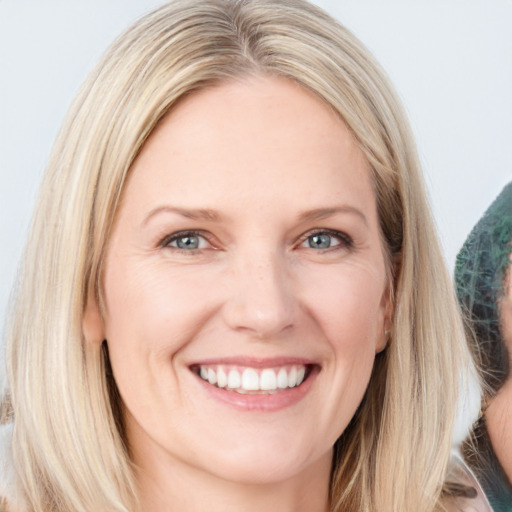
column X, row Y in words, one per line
column 167, row 240
column 345, row 241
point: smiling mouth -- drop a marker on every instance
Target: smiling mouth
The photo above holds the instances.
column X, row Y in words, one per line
column 248, row 380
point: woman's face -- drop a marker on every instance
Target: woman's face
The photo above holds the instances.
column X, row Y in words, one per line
column 245, row 285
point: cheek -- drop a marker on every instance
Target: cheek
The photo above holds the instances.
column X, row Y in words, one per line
column 152, row 313
column 153, row 303
column 349, row 307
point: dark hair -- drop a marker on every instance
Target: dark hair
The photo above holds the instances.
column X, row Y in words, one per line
column 480, row 274
column 479, row 277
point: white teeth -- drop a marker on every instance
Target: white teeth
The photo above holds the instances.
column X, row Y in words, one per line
column 268, row 381
column 252, row 380
column 212, row 376
column 292, row 377
column 300, row 375
column 282, row 379
column 234, row 379
column 222, row 378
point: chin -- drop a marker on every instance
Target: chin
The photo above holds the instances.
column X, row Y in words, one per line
column 268, row 462
column 261, row 469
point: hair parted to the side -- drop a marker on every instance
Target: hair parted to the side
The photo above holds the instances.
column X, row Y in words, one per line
column 68, row 443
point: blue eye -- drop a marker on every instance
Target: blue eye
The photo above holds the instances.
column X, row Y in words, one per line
column 320, row 241
column 185, row 241
column 327, row 239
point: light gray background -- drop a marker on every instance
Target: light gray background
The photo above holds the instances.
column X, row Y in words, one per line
column 451, row 61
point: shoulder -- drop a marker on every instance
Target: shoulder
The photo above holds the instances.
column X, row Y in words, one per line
column 463, row 504
column 5, row 466
column 3, row 505
column 9, row 501
column 5, row 459
column 465, row 493
column 468, row 505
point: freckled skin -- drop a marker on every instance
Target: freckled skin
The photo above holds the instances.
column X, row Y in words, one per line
column 260, row 153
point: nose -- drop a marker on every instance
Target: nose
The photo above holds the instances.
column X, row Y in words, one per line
column 261, row 301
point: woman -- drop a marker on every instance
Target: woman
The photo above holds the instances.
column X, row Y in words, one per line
column 484, row 288
column 236, row 296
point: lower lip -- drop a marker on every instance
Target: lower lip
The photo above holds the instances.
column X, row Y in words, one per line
column 260, row 402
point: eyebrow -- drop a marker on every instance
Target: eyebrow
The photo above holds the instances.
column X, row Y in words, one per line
column 324, row 213
column 194, row 214
column 214, row 216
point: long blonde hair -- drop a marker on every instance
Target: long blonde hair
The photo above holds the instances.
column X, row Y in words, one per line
column 68, row 442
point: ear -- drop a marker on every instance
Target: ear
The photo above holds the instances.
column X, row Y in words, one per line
column 388, row 303
column 93, row 326
column 387, row 312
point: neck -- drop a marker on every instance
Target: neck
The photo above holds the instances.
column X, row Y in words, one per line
column 176, row 486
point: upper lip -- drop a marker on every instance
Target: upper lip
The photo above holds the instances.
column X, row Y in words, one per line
column 254, row 362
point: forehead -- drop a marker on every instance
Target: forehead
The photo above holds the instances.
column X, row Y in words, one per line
column 252, row 140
